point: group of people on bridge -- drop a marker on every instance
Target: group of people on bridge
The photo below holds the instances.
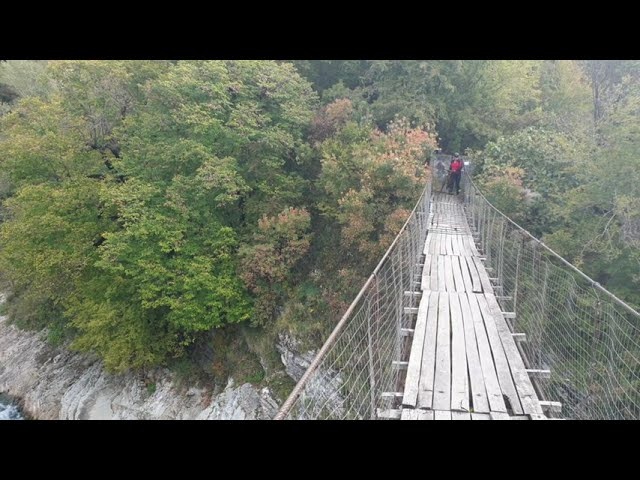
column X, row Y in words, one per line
column 453, row 174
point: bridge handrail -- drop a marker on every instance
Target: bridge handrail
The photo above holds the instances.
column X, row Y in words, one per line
column 424, row 197
column 555, row 254
column 582, row 341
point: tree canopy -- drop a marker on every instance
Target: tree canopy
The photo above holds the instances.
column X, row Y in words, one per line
column 144, row 204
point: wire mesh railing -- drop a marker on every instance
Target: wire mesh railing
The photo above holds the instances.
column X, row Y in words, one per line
column 355, row 373
column 585, row 336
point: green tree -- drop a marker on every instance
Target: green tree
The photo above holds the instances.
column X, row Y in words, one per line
column 41, row 143
column 367, row 175
column 268, row 263
column 136, row 184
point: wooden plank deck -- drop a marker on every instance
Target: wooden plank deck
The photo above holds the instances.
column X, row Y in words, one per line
column 442, row 386
column 425, row 387
column 410, row 397
column 464, row 362
column 476, row 379
column 459, row 374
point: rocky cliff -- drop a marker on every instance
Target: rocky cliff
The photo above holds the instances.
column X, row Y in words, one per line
column 54, row 383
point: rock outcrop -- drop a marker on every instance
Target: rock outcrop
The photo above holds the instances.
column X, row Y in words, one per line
column 55, row 383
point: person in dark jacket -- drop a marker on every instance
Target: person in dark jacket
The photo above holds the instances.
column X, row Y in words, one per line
column 455, row 169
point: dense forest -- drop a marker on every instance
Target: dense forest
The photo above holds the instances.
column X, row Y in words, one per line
column 150, row 207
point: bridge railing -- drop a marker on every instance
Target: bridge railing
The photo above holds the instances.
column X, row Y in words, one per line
column 586, row 337
column 356, row 372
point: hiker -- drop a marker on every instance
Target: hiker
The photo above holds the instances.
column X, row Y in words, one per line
column 455, row 170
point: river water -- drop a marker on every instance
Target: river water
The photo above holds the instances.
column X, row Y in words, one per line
column 8, row 410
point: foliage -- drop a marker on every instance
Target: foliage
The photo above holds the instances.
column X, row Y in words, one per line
column 370, row 177
column 546, row 164
column 324, row 74
column 145, row 204
column 503, row 188
column 134, row 188
column 268, row 263
column 23, row 78
column 469, row 102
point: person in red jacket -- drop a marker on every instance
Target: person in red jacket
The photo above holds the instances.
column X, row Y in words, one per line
column 455, row 169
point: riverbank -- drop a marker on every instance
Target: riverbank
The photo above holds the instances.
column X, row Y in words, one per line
column 8, row 409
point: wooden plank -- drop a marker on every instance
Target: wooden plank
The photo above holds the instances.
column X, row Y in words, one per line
column 461, row 247
column 436, row 245
column 406, row 332
column 466, row 245
column 426, row 273
column 442, row 384
column 539, row 416
column 460, row 416
column 448, row 246
column 434, row 273
column 392, row 414
column 500, row 416
column 457, row 274
column 425, row 414
column 471, row 245
column 473, row 272
column 479, row 400
column 442, row 287
column 474, row 248
column 413, row 294
column 484, row 277
column 427, row 370
column 547, row 406
column 400, row 365
column 452, row 240
column 454, row 243
column 448, row 274
column 471, row 240
column 427, row 244
column 459, row 377
column 480, row 416
column 492, row 386
column 499, row 355
column 442, row 415
column 412, row 379
column 536, row 373
column 526, row 392
column 519, row 337
column 455, row 248
column 391, row 394
column 409, row 414
column 466, row 276
column 435, row 248
column 520, row 417
column 443, row 244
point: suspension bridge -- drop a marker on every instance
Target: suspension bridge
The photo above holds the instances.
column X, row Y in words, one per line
column 469, row 317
